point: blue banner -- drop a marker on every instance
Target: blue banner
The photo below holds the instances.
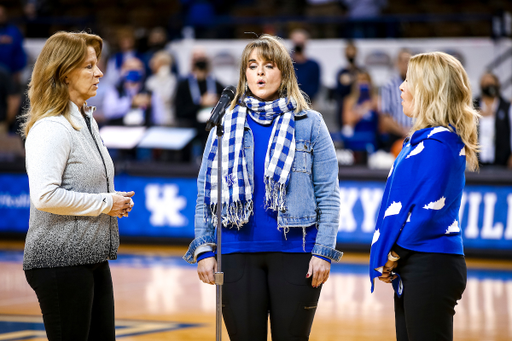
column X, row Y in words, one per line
column 164, row 207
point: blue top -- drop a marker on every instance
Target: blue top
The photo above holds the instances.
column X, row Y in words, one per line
column 308, row 76
column 261, row 234
column 421, row 202
column 12, row 55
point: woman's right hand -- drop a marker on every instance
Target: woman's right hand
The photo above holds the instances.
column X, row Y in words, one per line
column 122, row 204
column 206, row 268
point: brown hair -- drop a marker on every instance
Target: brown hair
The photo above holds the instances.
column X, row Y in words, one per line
column 270, row 48
column 48, row 93
column 442, row 97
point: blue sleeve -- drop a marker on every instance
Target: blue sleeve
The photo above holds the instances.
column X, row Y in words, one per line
column 415, row 192
column 204, row 255
column 325, row 259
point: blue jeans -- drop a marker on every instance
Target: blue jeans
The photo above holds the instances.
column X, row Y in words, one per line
column 77, row 302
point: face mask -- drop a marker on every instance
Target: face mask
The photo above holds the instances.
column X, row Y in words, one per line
column 299, row 48
column 133, row 76
column 201, row 64
column 364, row 93
column 490, row 91
column 351, row 60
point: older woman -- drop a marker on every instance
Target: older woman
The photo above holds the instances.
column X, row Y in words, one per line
column 281, row 202
column 417, row 243
column 74, row 208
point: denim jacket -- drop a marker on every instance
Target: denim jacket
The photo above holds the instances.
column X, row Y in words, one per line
column 312, row 194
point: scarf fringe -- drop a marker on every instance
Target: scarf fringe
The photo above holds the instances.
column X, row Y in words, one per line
column 238, row 213
column 275, row 194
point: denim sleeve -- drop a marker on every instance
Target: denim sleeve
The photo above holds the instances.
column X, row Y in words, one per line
column 325, row 182
column 204, row 230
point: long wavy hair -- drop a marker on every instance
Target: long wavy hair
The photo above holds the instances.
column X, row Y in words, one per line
column 48, row 93
column 271, row 49
column 442, row 97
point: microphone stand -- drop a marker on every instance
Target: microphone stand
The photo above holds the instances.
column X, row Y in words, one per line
column 219, row 275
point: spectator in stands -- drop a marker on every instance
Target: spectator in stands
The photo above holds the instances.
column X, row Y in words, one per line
column 12, row 55
column 33, row 11
column 394, row 124
column 494, row 129
column 126, row 45
column 163, row 83
column 345, row 79
column 360, row 118
column 129, row 102
column 9, row 101
column 157, row 41
column 364, row 9
column 307, row 70
column 197, row 94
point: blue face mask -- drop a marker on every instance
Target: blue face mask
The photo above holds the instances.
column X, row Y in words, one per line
column 133, row 76
column 364, row 93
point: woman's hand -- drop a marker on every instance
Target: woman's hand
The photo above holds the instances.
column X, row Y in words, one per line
column 206, row 268
column 320, row 270
column 387, row 277
column 122, row 205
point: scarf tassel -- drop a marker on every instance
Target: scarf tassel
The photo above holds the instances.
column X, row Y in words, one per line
column 275, row 193
column 238, row 213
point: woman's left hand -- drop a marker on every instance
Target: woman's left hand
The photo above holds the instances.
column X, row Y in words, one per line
column 387, row 277
column 319, row 269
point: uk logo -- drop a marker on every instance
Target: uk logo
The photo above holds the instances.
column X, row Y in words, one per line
column 165, row 204
column 230, row 179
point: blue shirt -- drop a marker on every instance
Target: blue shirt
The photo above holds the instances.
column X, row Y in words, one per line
column 261, row 234
column 12, row 55
column 421, row 201
column 308, row 77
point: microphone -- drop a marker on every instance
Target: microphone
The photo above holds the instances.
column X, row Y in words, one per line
column 218, row 112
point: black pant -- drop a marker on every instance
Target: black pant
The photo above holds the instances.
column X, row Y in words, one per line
column 77, row 302
column 259, row 284
column 432, row 285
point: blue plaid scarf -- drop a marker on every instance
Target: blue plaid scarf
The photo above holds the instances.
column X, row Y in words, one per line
column 236, row 189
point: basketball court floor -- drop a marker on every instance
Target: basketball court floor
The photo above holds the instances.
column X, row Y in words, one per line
column 159, row 297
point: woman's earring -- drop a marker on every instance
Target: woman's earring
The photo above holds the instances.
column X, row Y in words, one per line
column 246, row 87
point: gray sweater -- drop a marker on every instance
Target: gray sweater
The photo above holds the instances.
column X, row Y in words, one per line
column 69, row 194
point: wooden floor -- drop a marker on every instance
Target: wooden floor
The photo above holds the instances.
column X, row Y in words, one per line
column 158, row 297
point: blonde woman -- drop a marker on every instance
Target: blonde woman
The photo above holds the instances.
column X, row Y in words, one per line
column 73, row 206
column 281, row 202
column 417, row 245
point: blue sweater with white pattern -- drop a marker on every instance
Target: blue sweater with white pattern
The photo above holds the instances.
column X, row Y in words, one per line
column 421, row 201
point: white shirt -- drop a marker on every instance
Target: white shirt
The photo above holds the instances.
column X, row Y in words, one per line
column 487, row 132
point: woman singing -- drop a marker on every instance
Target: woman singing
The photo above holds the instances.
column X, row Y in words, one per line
column 73, row 205
column 417, row 244
column 280, row 202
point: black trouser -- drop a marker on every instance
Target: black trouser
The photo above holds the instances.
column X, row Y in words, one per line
column 259, row 284
column 433, row 283
column 77, row 302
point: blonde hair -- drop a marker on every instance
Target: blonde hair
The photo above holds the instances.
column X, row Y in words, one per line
column 270, row 48
column 442, row 97
column 48, row 93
